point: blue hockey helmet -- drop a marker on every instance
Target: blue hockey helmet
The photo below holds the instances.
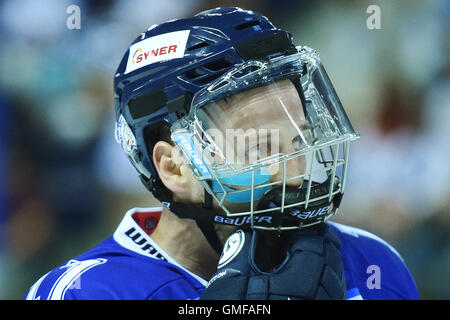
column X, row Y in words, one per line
column 173, row 81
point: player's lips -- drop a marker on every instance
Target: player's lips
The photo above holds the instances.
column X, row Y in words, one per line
column 233, row 187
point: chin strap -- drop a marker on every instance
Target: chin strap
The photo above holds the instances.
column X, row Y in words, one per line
column 318, row 211
column 203, row 218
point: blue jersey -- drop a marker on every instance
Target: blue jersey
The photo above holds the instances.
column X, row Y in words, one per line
column 373, row 269
column 131, row 266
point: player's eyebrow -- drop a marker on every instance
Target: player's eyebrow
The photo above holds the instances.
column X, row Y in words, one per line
column 305, row 125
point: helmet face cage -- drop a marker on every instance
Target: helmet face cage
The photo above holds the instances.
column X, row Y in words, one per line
column 320, row 147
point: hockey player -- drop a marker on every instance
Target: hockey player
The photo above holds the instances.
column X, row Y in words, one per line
column 241, row 136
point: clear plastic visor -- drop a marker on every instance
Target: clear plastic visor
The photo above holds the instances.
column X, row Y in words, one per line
column 256, row 113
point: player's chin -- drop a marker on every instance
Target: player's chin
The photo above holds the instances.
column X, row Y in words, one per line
column 290, row 182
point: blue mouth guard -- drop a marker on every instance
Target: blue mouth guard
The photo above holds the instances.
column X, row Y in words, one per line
column 262, row 176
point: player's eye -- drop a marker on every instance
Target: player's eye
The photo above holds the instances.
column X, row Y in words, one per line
column 299, row 143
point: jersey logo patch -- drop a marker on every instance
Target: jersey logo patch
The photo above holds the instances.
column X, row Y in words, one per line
column 232, row 247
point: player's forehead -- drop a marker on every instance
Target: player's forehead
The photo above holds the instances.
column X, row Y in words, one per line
column 282, row 87
column 268, row 105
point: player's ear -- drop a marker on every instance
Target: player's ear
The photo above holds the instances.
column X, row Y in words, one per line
column 174, row 173
column 168, row 170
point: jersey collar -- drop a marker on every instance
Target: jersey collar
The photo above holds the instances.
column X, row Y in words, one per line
column 132, row 237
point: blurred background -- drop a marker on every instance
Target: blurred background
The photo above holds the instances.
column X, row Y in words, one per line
column 65, row 183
